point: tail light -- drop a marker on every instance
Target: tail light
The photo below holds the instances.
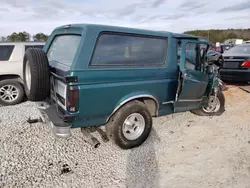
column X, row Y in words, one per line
column 72, row 99
column 246, row 63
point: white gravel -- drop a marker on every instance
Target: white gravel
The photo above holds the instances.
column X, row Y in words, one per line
column 184, row 150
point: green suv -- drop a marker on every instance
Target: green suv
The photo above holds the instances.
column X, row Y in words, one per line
column 88, row 76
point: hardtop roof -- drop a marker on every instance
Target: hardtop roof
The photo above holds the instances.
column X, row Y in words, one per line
column 127, row 29
column 179, row 35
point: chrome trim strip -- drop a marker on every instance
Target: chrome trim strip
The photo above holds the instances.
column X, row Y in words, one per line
column 189, row 100
column 168, row 102
column 132, row 98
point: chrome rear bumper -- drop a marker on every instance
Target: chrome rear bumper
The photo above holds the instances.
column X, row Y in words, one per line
column 50, row 117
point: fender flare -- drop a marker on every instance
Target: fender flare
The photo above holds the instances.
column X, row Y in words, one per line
column 131, row 98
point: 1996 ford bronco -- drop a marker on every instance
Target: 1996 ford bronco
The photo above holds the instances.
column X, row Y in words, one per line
column 91, row 75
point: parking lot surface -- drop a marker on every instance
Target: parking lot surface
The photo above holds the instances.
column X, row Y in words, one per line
column 184, row 150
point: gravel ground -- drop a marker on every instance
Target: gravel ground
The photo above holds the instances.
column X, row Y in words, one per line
column 184, row 150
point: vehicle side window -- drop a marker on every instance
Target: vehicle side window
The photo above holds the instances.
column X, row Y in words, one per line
column 203, row 48
column 33, row 46
column 191, row 60
column 178, row 52
column 114, row 49
column 5, row 52
column 203, row 56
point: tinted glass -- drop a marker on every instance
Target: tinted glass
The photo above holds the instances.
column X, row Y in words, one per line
column 5, row 52
column 129, row 50
column 33, row 46
column 245, row 49
column 191, row 56
column 178, row 52
column 63, row 49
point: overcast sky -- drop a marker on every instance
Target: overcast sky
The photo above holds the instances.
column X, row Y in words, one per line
column 172, row 15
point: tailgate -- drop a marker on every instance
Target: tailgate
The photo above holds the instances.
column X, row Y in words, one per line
column 59, row 91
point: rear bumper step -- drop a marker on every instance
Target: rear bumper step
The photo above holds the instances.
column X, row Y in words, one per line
column 60, row 126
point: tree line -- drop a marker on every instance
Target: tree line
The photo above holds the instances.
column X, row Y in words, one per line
column 214, row 35
column 220, row 35
column 24, row 36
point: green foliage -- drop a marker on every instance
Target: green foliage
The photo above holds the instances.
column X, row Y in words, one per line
column 216, row 35
column 40, row 37
column 3, row 39
column 231, row 35
column 21, row 36
column 24, row 36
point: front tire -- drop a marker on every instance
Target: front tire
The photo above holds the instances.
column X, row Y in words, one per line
column 11, row 92
column 216, row 106
column 131, row 125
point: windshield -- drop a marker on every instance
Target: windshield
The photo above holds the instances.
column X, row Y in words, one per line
column 63, row 49
column 245, row 49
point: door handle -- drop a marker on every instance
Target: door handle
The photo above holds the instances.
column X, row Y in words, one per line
column 185, row 75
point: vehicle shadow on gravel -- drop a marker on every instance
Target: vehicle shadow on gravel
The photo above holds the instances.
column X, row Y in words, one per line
column 142, row 167
column 227, row 83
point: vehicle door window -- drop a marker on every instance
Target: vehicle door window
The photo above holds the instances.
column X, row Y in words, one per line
column 5, row 52
column 178, row 52
column 203, row 56
column 191, row 58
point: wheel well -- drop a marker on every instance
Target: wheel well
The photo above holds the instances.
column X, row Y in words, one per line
column 151, row 104
column 12, row 77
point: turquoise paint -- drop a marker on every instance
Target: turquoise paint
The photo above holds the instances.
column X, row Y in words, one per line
column 194, row 83
column 103, row 88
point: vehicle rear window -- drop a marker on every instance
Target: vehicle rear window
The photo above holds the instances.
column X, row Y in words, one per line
column 5, row 52
column 63, row 49
column 33, row 46
column 114, row 49
column 245, row 49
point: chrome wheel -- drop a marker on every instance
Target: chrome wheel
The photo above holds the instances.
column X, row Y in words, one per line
column 213, row 105
column 28, row 75
column 9, row 93
column 133, row 126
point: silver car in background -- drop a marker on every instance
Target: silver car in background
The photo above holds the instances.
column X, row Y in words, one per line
column 11, row 71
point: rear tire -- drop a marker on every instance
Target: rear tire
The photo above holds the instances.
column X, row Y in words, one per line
column 36, row 74
column 140, row 124
column 218, row 110
column 11, row 92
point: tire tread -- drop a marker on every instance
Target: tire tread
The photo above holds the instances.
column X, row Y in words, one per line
column 39, row 74
column 114, row 125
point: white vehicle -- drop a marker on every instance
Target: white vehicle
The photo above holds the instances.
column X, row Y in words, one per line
column 11, row 71
column 234, row 41
column 238, row 41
